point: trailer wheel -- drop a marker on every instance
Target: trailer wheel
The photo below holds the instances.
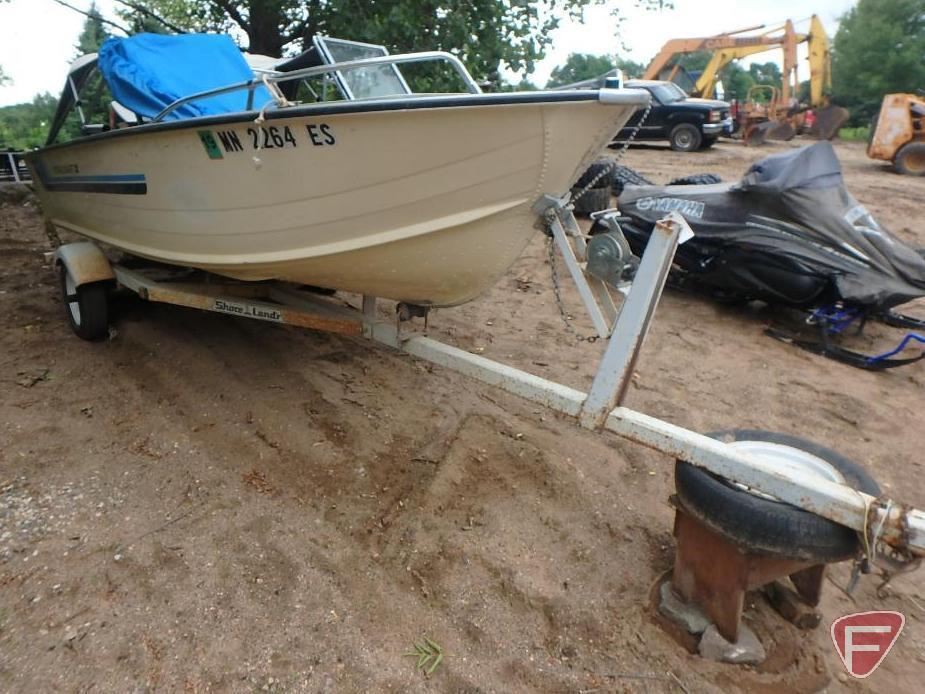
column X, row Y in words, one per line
column 86, row 307
column 685, row 137
column 761, row 522
column 910, row 159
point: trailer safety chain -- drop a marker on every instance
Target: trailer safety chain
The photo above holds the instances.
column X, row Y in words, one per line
column 615, row 160
column 550, row 249
column 557, row 291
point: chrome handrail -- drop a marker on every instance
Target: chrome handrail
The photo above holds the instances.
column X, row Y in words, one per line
column 275, row 77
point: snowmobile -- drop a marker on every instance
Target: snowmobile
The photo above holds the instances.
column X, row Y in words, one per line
column 789, row 233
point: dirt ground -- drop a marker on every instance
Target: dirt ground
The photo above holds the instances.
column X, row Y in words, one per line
column 204, row 503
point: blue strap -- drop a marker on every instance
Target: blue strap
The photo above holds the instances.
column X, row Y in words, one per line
column 896, row 350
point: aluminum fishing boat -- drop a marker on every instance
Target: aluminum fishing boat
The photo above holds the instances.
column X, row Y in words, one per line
column 326, row 169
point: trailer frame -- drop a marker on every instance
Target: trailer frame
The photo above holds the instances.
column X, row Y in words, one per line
column 600, row 409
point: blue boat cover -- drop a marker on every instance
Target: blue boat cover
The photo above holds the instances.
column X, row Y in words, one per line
column 148, row 72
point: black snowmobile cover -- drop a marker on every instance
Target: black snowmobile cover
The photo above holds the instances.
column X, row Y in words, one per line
column 795, row 203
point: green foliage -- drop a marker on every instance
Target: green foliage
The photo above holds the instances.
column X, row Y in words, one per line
column 860, row 134
column 585, row 66
column 765, row 73
column 630, row 67
column 485, row 34
column 24, row 126
column 878, row 50
column 736, row 81
column 95, row 96
column 578, row 67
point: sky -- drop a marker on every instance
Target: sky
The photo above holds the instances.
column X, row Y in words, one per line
column 39, row 67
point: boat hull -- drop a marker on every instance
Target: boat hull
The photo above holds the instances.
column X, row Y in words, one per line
column 428, row 204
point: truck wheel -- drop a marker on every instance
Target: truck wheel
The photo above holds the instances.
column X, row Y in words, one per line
column 910, row 159
column 685, row 137
column 86, row 307
column 761, row 522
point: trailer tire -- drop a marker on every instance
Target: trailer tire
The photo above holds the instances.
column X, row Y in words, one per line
column 910, row 159
column 685, row 137
column 86, row 306
column 765, row 525
column 701, row 179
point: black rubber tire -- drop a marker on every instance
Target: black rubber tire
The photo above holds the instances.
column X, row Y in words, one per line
column 685, row 137
column 702, row 179
column 594, row 200
column 708, row 142
column 92, row 319
column 764, row 525
column 625, row 176
column 910, row 159
column 592, row 172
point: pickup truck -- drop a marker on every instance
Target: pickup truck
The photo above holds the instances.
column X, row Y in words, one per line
column 688, row 124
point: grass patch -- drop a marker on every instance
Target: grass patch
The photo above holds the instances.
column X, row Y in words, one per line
column 859, row 134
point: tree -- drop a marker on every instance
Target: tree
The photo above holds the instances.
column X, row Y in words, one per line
column 737, row 81
column 485, row 34
column 630, row 67
column 95, row 96
column 766, row 73
column 24, row 126
column 877, row 50
column 578, row 67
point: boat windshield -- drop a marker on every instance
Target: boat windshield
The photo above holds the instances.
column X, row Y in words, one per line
column 363, row 82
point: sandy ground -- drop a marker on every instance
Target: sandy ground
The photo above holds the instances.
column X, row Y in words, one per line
column 204, row 503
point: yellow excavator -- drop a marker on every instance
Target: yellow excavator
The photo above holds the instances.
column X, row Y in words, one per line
column 766, row 112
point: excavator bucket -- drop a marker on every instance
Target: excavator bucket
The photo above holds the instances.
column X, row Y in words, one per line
column 829, row 120
column 768, row 130
column 781, row 130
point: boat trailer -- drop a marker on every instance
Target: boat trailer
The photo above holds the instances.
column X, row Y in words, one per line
column 711, row 572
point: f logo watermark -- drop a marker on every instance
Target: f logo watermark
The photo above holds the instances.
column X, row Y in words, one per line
column 863, row 639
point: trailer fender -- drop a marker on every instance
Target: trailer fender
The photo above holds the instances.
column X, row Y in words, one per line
column 84, row 262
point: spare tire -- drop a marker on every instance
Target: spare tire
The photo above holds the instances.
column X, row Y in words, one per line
column 593, row 200
column 596, row 169
column 701, row 179
column 764, row 524
column 623, row 176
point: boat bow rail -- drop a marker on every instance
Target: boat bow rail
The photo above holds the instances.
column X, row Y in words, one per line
column 271, row 78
